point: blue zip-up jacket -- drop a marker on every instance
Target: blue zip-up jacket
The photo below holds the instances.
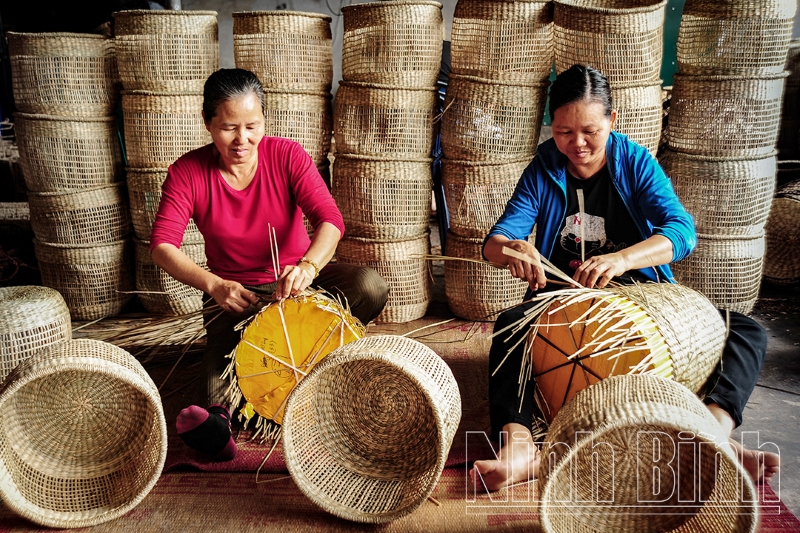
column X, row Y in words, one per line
column 541, row 198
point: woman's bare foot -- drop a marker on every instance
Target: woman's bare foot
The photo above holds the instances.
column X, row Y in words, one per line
column 517, row 461
column 760, row 465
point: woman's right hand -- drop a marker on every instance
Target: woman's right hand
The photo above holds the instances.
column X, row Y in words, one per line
column 231, row 296
column 532, row 271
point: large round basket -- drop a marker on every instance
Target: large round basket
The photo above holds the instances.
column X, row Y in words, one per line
column 160, row 293
column 66, row 74
column 639, row 114
column 402, row 265
column 83, row 216
column 641, row 453
column 366, row 434
column 285, row 49
column 378, row 120
column 748, row 38
column 83, row 437
column 727, row 270
column 781, row 263
column 477, row 193
column 301, row 116
column 93, row 279
column 166, row 50
column 489, row 121
column 31, row 319
column 624, row 40
column 725, row 196
column 58, row 153
column 383, row 199
column 728, row 116
column 503, row 41
column 395, row 42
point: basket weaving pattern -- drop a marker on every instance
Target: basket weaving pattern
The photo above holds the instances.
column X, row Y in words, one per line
column 397, row 42
column 302, row 117
column 166, row 50
column 144, row 191
column 620, row 421
column 83, row 436
column 162, row 294
column 639, row 114
column 367, row 432
column 783, row 236
column 31, row 319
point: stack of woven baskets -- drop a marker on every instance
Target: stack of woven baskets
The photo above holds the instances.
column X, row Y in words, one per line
column 164, row 59
column 383, row 125
column 66, row 87
column 502, row 53
column 723, row 125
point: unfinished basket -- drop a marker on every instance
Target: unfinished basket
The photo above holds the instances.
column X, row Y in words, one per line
column 725, row 115
column 727, row 270
column 160, row 127
column 31, row 319
column 402, row 265
column 301, row 116
column 503, row 41
column 93, row 279
column 489, row 121
column 366, row 434
column 639, row 114
column 383, row 199
column 83, row 437
column 622, row 39
column 285, row 49
column 394, row 42
column 783, row 236
column 160, row 293
column 166, row 50
column 641, row 453
column 748, row 38
column 66, row 74
column 725, row 196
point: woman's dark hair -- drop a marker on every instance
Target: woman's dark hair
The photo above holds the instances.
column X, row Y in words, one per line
column 579, row 83
column 227, row 84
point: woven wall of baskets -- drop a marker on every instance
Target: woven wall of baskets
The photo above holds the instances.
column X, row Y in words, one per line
column 166, row 50
column 783, row 236
column 144, row 192
column 162, row 294
column 304, row 117
column 640, row 113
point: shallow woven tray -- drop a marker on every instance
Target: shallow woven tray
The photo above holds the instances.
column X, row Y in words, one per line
column 727, row 270
column 781, row 263
column 66, row 74
column 166, row 50
column 489, row 121
column 503, row 41
column 623, row 40
column 92, row 279
column 640, row 114
column 31, row 319
column 383, row 199
column 151, row 280
column 621, row 431
column 366, row 434
column 402, row 265
column 372, row 119
column 83, row 437
column 725, row 197
column 301, row 116
column 395, row 42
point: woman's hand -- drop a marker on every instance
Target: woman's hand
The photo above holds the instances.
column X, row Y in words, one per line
column 532, row 272
column 600, row 269
column 294, row 280
column 231, row 296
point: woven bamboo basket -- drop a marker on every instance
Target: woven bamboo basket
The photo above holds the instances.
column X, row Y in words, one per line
column 285, row 49
column 727, row 270
column 93, row 279
column 489, row 121
column 31, row 319
column 477, row 193
column 402, row 265
column 160, row 127
column 370, row 119
column 83, row 436
column 394, row 42
column 725, row 197
column 65, row 74
column 623, row 40
column 160, row 293
column 725, row 115
column 383, row 199
column 366, row 434
column 613, row 449
column 639, row 114
column 83, row 216
column 503, row 41
column 783, row 236
column 301, row 116
column 747, row 38
column 166, row 50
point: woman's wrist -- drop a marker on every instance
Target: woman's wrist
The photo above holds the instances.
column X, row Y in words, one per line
column 314, row 267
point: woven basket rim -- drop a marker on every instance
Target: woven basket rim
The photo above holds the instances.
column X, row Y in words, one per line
column 638, row 84
column 381, row 158
column 486, row 81
column 144, row 92
column 711, row 158
column 457, row 237
column 580, row 5
column 325, row 94
column 389, row 3
column 368, row 85
column 150, row 170
column 364, row 240
column 280, row 13
column 732, row 77
column 728, row 238
column 489, row 163
column 161, row 12
column 61, row 246
column 62, row 34
column 62, row 118
column 67, row 192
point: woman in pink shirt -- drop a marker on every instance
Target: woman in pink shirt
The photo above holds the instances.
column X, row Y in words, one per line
column 235, row 190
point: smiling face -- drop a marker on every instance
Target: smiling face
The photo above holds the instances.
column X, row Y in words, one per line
column 237, row 128
column 580, row 131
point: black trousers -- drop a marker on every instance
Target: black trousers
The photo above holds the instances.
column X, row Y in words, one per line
column 729, row 386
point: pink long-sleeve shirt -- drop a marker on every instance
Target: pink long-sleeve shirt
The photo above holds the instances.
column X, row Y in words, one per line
column 235, row 224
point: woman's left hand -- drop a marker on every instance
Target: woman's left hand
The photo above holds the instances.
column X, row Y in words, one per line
column 600, row 269
column 294, row 280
